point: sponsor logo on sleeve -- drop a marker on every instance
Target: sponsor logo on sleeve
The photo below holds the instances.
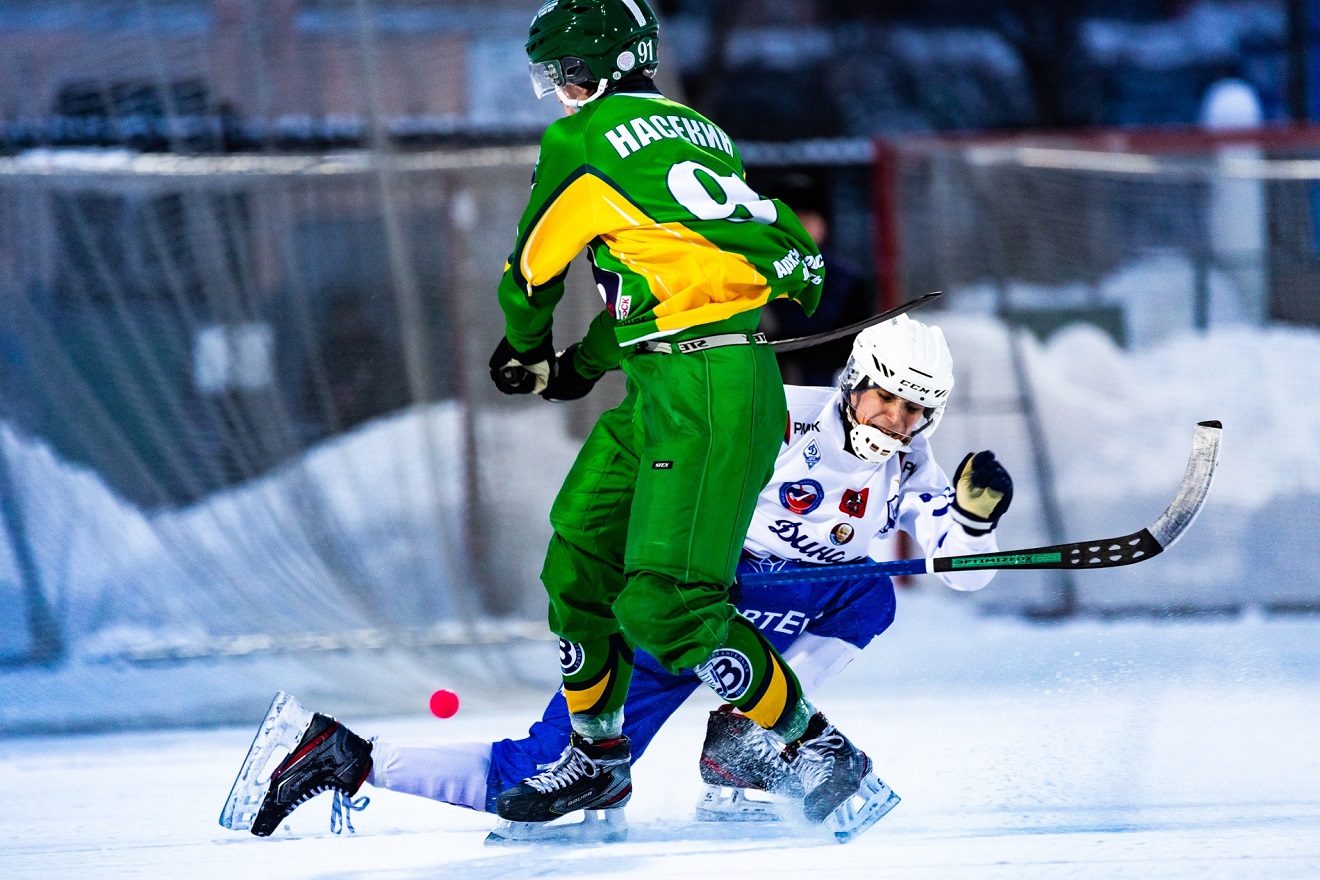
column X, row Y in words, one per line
column 662, row 465
column 801, row 497
column 786, row 264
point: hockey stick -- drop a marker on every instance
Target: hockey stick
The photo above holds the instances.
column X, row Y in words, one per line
column 1105, row 553
column 798, row 342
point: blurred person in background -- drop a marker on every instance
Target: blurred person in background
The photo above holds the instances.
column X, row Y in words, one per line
column 845, row 299
column 363, row 376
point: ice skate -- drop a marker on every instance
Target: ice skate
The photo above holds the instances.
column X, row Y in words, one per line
column 591, row 778
column 315, row 753
column 842, row 794
column 746, row 779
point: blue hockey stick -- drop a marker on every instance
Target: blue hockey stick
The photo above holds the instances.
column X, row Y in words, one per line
column 1105, row 553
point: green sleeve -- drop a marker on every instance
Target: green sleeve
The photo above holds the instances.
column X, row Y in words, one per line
column 528, row 318
column 529, row 302
column 600, row 350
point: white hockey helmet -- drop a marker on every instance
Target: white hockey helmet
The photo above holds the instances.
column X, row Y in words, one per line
column 908, row 359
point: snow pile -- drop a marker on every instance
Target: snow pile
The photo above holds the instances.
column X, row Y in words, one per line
column 364, row 530
column 1117, row 429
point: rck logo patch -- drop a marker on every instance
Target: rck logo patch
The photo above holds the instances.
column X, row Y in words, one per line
column 854, row 502
column 727, row 672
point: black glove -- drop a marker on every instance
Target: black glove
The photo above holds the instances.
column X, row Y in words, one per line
column 565, row 382
column 521, row 372
column 982, row 491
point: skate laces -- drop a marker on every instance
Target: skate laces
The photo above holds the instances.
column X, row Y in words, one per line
column 571, row 766
column 342, row 809
column 819, row 753
column 762, row 747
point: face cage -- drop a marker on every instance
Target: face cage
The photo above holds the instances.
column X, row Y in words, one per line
column 854, row 381
column 549, row 76
column 545, row 77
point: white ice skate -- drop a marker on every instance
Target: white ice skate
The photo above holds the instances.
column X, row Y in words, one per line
column 594, row 826
column 724, row 803
column 859, row 812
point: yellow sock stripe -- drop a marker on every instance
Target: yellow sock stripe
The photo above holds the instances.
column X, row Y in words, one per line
column 770, row 708
column 585, row 700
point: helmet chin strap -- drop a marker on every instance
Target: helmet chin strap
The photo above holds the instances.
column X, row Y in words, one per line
column 575, row 104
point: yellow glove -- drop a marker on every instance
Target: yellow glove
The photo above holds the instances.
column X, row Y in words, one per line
column 982, row 491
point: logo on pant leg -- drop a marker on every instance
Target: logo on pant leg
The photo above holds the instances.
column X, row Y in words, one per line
column 727, row 672
column 571, row 656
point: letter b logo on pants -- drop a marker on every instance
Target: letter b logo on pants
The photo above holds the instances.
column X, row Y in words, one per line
column 571, row 656
column 727, row 672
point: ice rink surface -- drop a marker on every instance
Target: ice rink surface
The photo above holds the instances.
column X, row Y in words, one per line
column 1128, row 749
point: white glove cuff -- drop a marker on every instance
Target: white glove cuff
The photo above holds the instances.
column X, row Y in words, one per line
column 969, row 521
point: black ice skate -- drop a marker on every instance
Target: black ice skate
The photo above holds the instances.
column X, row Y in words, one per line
column 319, row 754
column 593, row 778
column 842, row 793
column 739, row 761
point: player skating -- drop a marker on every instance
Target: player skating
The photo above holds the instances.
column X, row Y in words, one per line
column 650, row 521
column 854, row 464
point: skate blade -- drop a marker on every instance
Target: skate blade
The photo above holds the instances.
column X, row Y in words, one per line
column 284, row 725
column 595, row 826
column 719, row 803
column 869, row 805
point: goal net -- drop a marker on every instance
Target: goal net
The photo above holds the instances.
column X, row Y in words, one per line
column 1103, row 293
column 246, row 418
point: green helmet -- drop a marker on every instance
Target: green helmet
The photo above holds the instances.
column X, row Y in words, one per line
column 582, row 41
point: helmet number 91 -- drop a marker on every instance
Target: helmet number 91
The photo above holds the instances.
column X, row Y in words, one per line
column 712, row 197
column 645, row 52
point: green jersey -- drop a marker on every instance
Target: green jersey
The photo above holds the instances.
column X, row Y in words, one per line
column 676, row 237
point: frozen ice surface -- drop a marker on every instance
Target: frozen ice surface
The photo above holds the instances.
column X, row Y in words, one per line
column 1133, row 749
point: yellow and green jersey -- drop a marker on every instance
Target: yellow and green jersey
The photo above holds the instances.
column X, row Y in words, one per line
column 676, row 237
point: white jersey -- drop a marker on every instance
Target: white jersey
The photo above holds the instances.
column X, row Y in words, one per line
column 826, row 505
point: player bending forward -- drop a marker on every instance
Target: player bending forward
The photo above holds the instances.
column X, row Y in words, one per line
column 855, row 464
